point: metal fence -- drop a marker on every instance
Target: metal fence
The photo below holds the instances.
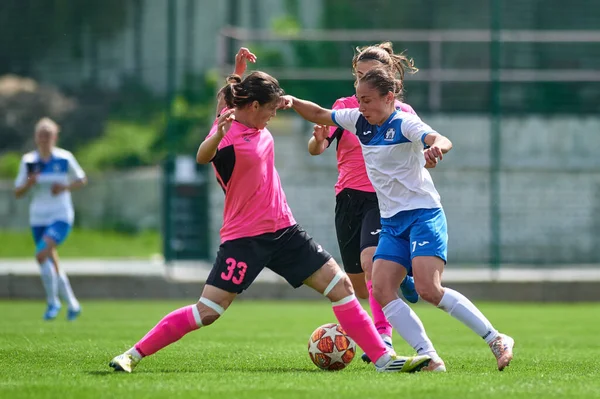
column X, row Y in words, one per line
column 516, row 188
column 515, row 85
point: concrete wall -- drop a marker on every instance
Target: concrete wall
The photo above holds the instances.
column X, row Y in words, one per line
column 138, row 287
column 550, row 190
column 126, row 200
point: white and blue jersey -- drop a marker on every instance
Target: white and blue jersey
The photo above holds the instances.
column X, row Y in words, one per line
column 394, row 159
column 412, row 219
column 46, row 208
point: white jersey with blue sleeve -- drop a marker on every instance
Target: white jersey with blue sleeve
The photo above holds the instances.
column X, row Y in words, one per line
column 62, row 167
column 394, row 159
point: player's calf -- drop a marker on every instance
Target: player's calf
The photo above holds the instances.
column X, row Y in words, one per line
column 169, row 330
column 354, row 319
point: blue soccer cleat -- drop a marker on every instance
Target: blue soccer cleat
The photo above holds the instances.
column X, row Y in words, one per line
column 51, row 312
column 408, row 289
column 73, row 314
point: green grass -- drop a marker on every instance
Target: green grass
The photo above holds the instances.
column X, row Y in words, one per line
column 258, row 350
column 85, row 244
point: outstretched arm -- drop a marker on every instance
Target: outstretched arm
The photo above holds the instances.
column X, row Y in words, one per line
column 241, row 58
column 308, row 110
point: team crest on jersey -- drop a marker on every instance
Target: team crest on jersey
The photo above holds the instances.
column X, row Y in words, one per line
column 246, row 138
column 56, row 168
column 390, row 134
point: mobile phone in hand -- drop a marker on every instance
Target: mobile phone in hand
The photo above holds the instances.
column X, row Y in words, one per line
column 33, row 168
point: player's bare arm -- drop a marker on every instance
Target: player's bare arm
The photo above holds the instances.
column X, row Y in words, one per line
column 58, row 188
column 22, row 190
column 318, row 142
column 308, row 110
column 208, row 148
column 242, row 58
column 438, row 145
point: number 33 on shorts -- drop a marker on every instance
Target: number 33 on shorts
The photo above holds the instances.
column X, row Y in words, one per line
column 235, row 271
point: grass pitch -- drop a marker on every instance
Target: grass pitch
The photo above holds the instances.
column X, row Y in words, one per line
column 83, row 243
column 258, row 350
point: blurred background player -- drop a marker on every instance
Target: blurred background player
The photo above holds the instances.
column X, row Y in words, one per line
column 51, row 173
column 259, row 231
column 357, row 219
column 413, row 221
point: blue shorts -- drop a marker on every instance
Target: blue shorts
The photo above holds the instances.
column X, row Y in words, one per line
column 418, row 232
column 58, row 231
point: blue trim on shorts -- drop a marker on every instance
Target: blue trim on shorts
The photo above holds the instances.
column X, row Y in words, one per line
column 57, row 231
column 408, row 234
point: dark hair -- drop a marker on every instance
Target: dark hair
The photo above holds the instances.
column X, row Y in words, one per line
column 258, row 86
column 382, row 80
column 384, row 53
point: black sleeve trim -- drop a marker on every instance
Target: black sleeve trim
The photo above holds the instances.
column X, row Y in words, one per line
column 336, row 135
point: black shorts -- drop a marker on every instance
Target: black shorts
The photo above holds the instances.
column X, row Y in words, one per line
column 289, row 252
column 357, row 224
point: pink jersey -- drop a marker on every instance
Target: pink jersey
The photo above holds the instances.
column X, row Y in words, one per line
column 351, row 165
column 245, row 168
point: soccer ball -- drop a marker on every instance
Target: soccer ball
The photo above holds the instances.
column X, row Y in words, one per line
column 330, row 348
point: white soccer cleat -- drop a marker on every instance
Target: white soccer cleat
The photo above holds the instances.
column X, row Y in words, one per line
column 502, row 348
column 404, row 364
column 124, row 362
column 436, row 365
column 387, row 341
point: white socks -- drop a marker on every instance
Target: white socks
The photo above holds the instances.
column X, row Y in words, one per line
column 57, row 284
column 383, row 360
column 66, row 292
column 409, row 326
column 459, row 307
column 134, row 353
column 50, row 282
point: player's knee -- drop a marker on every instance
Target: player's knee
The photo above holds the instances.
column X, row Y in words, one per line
column 359, row 285
column 43, row 249
column 382, row 294
column 429, row 291
column 341, row 288
column 367, row 267
column 346, row 284
column 42, row 255
column 209, row 311
column 378, row 293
